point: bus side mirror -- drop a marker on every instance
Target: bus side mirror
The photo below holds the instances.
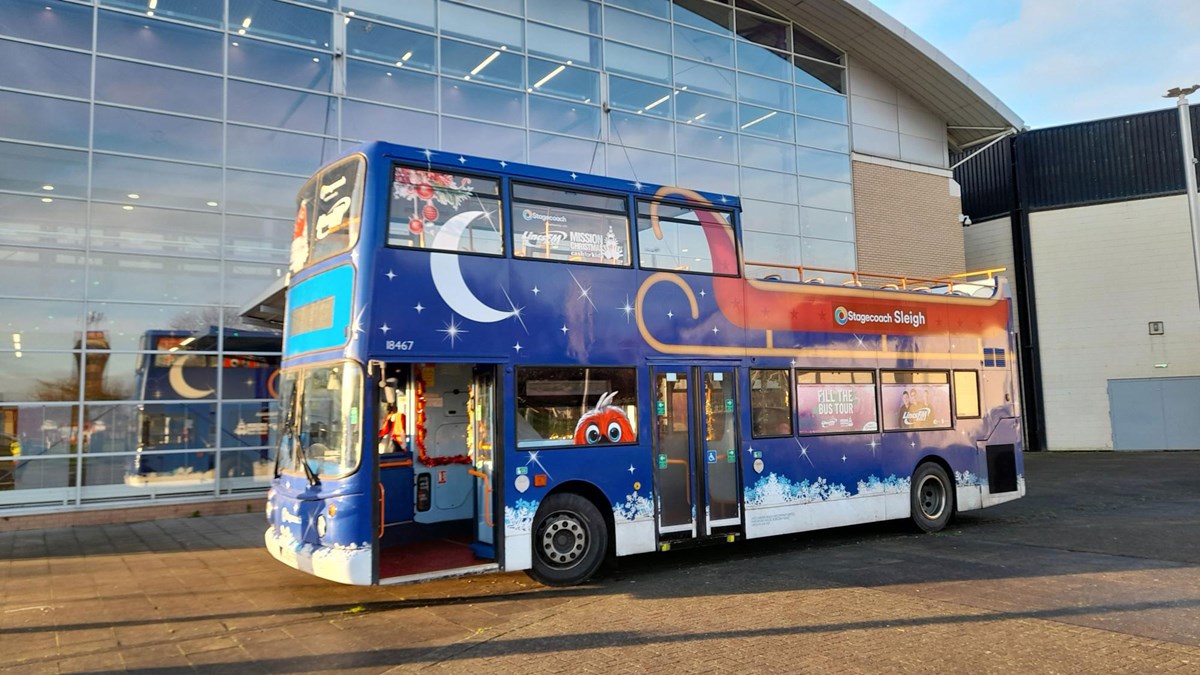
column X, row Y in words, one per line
column 389, row 390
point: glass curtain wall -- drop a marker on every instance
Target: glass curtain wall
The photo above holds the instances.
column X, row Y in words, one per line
column 151, row 149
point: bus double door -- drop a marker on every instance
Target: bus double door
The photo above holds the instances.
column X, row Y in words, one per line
column 696, row 460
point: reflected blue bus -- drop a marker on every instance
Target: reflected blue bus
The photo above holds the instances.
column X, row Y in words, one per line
column 494, row 366
column 178, row 430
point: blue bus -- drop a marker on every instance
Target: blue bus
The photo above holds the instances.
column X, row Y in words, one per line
column 177, row 429
column 492, row 366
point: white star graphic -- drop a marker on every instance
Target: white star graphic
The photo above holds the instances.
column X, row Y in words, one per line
column 670, row 314
column 536, row 290
column 503, row 164
column 390, row 275
column 354, row 255
column 533, row 459
column 574, row 175
column 843, row 458
column 912, row 444
column 872, row 445
column 462, row 160
column 385, row 328
column 452, row 331
column 703, row 293
column 716, row 330
column 518, row 347
column 358, row 324
column 750, row 449
column 428, row 154
column 564, row 329
column 627, row 309
column 804, row 454
column 860, row 341
column 631, row 469
column 637, row 185
column 584, row 293
column 419, row 307
column 724, row 200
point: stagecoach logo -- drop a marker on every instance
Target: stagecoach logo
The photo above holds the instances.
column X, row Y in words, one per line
column 529, row 214
column 843, row 316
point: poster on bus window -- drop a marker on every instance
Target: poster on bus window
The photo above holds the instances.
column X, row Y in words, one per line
column 836, row 408
column 916, row 406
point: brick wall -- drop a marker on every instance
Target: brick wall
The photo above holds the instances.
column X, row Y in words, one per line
column 907, row 222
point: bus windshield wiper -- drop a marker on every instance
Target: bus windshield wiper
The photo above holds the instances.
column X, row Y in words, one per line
column 298, row 440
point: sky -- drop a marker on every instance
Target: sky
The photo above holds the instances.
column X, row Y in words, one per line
column 1061, row 61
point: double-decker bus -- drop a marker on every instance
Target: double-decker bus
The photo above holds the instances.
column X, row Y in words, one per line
column 492, row 366
column 177, row 428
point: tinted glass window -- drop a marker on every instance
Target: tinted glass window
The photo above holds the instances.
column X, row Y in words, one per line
column 686, row 238
column 770, row 403
column 559, row 224
column 445, row 211
column 915, row 400
column 576, row 406
column 829, row 402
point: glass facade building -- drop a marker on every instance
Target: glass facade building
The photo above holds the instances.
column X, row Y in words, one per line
column 150, row 151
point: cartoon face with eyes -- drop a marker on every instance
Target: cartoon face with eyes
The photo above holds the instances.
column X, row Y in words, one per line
column 605, row 423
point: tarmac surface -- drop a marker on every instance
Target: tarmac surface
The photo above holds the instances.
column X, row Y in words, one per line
column 1096, row 570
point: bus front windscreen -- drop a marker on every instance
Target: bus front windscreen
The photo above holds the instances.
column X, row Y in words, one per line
column 322, row 407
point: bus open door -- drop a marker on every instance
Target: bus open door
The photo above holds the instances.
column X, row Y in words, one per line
column 435, row 471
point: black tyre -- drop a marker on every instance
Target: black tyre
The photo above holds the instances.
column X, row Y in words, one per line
column 570, row 540
column 932, row 497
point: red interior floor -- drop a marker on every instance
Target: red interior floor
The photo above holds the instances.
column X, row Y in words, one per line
column 426, row 556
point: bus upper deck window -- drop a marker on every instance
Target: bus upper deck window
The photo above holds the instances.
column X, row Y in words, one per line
column 443, row 211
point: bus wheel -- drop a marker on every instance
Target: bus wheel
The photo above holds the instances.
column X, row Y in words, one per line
column 569, row 540
column 932, row 497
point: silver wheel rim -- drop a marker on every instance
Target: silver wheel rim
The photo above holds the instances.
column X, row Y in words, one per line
column 564, row 539
column 932, row 496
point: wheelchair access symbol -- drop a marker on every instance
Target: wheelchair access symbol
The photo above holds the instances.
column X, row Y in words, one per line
column 711, row 457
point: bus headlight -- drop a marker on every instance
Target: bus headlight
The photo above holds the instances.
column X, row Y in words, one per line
column 321, row 525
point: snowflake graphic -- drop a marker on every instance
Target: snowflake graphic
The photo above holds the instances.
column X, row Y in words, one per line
column 635, row 507
column 519, row 517
column 773, row 489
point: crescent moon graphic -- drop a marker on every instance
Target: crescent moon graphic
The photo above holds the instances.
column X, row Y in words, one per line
column 180, row 385
column 448, row 278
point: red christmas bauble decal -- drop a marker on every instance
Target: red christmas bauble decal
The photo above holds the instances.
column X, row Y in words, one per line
column 416, row 226
column 425, row 191
column 430, row 212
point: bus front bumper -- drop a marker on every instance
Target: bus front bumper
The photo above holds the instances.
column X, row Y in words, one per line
column 346, row 565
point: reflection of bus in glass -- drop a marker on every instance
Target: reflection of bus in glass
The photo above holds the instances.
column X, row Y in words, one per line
column 493, row 366
column 178, row 432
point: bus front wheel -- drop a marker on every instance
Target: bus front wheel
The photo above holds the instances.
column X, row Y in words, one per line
column 570, row 540
column 932, row 497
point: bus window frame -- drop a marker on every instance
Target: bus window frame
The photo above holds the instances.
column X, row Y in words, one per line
column 511, row 205
column 361, row 189
column 949, row 384
column 878, row 396
column 791, row 407
column 568, row 444
column 730, row 214
column 501, row 204
column 954, row 394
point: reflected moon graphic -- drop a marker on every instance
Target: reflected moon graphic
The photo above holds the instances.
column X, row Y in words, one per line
column 448, row 278
column 180, row 384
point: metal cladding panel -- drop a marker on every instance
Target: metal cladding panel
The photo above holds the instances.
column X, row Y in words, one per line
column 1102, row 161
column 986, row 181
column 1107, row 160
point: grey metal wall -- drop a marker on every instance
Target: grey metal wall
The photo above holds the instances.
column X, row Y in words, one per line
column 1155, row 413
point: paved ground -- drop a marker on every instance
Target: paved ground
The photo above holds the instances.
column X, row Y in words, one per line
column 1097, row 570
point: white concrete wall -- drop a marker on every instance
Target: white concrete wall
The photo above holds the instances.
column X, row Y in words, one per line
column 1101, row 273
column 886, row 122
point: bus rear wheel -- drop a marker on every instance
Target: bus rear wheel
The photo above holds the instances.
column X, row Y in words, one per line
column 932, row 497
column 570, row 540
